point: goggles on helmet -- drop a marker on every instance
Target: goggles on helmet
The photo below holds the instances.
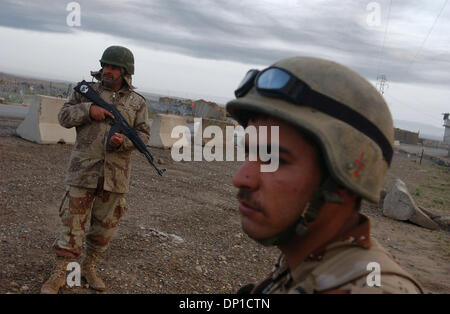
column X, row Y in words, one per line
column 279, row 83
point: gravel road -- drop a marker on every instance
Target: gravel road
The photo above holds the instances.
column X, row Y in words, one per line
column 181, row 232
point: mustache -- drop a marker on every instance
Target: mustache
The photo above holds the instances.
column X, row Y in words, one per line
column 108, row 79
column 244, row 194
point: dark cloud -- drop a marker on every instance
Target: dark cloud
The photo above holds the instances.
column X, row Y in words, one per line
column 242, row 30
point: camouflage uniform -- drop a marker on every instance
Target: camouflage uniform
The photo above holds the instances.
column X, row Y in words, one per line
column 351, row 125
column 341, row 268
column 97, row 179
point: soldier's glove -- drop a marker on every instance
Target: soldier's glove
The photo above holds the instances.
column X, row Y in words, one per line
column 98, row 113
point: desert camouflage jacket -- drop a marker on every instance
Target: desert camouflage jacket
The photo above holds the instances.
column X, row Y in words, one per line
column 89, row 159
column 342, row 268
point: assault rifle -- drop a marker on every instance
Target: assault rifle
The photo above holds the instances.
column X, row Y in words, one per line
column 120, row 125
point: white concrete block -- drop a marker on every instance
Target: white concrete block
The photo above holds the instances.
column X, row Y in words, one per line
column 41, row 123
column 161, row 129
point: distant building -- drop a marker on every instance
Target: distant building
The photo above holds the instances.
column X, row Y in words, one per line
column 447, row 128
column 406, row 137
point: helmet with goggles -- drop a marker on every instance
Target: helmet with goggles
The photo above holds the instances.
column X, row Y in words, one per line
column 341, row 110
column 343, row 113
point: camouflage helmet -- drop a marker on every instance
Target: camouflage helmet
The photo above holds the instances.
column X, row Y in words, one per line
column 119, row 56
column 347, row 118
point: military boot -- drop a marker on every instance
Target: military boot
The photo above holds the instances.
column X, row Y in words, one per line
column 89, row 273
column 58, row 276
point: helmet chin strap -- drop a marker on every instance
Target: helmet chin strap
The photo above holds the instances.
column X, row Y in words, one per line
column 325, row 194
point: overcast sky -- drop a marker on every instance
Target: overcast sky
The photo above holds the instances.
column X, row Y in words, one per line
column 203, row 48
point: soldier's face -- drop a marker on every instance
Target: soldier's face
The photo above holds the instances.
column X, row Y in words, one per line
column 271, row 201
column 111, row 74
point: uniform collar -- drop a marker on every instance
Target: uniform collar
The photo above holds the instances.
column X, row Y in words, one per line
column 357, row 236
column 125, row 89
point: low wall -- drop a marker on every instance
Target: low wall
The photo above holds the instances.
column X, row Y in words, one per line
column 41, row 123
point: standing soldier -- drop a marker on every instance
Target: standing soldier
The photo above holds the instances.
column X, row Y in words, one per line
column 97, row 179
column 335, row 146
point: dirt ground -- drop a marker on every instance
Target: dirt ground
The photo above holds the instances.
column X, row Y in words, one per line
column 194, row 201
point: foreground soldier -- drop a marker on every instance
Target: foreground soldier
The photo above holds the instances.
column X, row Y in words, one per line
column 97, row 179
column 335, row 146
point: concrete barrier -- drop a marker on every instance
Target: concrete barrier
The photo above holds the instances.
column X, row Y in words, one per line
column 208, row 110
column 28, row 100
column 161, row 129
column 399, row 204
column 219, row 123
column 41, row 123
column 163, row 124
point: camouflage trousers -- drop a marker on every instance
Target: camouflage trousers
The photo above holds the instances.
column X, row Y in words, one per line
column 104, row 209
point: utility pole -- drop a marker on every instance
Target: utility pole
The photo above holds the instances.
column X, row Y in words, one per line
column 381, row 83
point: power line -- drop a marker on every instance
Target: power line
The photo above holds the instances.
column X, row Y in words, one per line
column 382, row 81
column 426, row 38
column 384, row 39
column 415, row 108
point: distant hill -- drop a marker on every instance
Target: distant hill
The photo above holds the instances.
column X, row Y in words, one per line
column 425, row 130
column 154, row 97
column 13, row 88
